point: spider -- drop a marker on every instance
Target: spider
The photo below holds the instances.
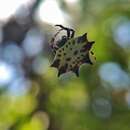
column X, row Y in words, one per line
column 70, row 51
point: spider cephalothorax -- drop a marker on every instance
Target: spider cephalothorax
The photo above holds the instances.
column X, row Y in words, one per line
column 71, row 52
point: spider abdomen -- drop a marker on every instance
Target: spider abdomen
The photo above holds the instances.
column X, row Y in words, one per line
column 72, row 54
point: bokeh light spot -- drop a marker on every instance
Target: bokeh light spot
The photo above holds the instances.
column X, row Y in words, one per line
column 113, row 74
column 40, row 65
column 33, row 42
column 121, row 31
column 7, row 73
column 102, row 107
column 8, row 7
column 19, row 87
column 52, row 12
column 13, row 53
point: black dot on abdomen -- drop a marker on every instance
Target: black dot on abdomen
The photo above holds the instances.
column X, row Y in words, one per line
column 68, row 59
column 59, row 55
column 66, row 46
column 75, row 52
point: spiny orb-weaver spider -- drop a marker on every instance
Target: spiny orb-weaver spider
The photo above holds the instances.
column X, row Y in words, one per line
column 71, row 52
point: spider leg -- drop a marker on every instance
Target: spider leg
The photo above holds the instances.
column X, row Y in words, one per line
column 73, row 32
column 52, row 42
column 53, row 46
column 68, row 31
column 64, row 28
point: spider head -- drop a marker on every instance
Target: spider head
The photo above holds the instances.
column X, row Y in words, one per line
column 62, row 41
column 64, row 37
